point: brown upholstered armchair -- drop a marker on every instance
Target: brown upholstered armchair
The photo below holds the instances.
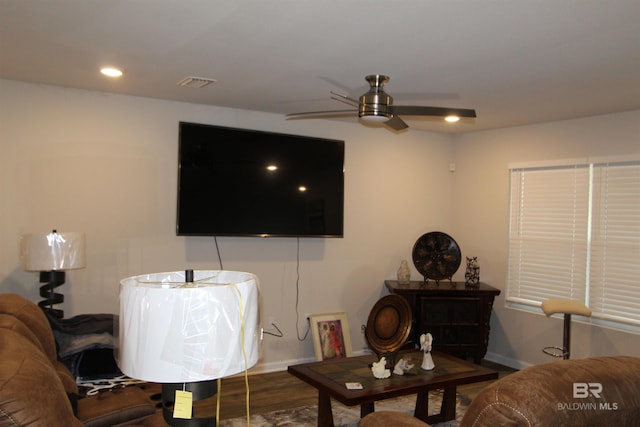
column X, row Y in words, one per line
column 597, row 391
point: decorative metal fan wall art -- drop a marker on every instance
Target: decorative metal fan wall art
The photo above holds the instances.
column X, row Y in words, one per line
column 436, row 256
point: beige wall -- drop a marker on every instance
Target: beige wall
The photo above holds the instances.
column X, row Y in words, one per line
column 481, row 214
column 106, row 165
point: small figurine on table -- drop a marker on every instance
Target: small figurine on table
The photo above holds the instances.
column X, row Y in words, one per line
column 380, row 370
column 426, row 342
column 402, row 366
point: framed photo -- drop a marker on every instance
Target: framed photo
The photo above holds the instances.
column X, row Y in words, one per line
column 330, row 333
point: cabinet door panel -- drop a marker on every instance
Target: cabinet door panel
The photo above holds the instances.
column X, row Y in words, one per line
column 465, row 310
column 435, row 311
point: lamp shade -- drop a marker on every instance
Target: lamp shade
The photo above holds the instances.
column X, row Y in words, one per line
column 52, row 251
column 172, row 332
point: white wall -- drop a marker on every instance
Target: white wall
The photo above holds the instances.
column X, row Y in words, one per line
column 481, row 215
column 106, row 165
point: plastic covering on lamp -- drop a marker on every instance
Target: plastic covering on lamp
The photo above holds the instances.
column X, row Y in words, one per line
column 171, row 331
column 52, row 251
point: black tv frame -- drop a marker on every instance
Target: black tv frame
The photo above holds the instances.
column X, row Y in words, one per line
column 215, row 180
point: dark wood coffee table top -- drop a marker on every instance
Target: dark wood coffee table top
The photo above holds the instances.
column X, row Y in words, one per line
column 332, row 375
column 330, row 378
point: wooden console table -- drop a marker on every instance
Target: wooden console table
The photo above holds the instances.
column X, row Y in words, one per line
column 457, row 316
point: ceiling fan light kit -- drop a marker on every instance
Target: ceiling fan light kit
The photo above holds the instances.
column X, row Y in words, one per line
column 377, row 106
column 373, row 118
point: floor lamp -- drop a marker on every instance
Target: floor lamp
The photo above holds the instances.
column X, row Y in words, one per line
column 185, row 330
column 51, row 254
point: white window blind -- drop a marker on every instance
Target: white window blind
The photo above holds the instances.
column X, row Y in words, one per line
column 575, row 233
column 615, row 242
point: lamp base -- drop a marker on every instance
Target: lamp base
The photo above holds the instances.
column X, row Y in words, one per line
column 200, row 390
column 53, row 279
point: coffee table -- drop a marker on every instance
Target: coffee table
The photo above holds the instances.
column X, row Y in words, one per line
column 330, row 378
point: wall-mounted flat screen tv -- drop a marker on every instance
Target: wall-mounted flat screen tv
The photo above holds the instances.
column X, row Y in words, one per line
column 239, row 182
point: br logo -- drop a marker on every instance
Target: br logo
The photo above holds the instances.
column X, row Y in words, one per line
column 584, row 390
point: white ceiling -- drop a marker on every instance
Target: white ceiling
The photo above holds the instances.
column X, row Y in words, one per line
column 515, row 62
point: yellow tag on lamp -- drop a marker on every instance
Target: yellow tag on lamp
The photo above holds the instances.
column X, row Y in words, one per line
column 183, row 407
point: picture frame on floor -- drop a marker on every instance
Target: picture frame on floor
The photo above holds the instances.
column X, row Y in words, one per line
column 330, row 334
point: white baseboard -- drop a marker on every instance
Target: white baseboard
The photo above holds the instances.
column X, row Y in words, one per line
column 282, row 365
column 506, row 361
column 263, row 368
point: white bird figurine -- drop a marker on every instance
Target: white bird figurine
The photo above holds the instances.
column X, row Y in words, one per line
column 379, row 369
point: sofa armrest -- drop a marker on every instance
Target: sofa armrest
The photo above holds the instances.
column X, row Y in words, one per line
column 599, row 391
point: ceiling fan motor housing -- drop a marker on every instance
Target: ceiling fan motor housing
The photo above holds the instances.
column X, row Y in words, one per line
column 375, row 104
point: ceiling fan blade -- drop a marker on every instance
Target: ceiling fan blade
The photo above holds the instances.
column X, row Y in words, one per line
column 396, row 123
column 344, row 98
column 407, row 110
column 340, row 85
column 328, row 113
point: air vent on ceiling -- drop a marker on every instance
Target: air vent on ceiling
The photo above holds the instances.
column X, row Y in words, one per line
column 197, row 82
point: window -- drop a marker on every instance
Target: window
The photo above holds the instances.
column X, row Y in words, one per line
column 575, row 233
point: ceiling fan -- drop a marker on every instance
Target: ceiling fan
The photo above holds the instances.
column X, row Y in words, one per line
column 377, row 106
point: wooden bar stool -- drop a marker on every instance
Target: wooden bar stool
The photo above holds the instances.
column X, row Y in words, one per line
column 567, row 307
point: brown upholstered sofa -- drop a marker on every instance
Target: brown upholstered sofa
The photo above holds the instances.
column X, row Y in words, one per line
column 37, row 390
column 598, row 391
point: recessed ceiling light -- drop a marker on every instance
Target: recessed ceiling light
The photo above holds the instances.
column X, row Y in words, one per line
column 452, row 119
column 111, row 72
